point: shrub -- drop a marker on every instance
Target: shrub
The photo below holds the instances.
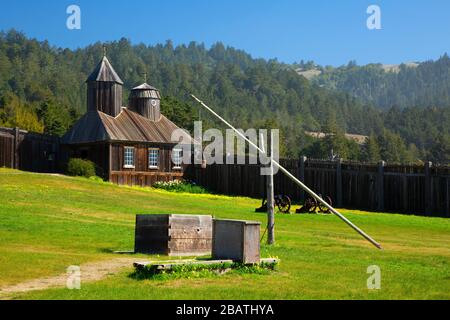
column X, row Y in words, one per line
column 180, row 186
column 80, row 167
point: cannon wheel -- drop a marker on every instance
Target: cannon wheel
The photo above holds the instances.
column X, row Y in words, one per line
column 323, row 208
column 310, row 205
column 284, row 203
column 264, row 203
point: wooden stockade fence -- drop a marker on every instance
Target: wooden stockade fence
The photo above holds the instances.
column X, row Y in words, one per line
column 20, row 149
column 412, row 189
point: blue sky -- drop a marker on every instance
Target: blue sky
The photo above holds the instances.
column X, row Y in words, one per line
column 326, row 31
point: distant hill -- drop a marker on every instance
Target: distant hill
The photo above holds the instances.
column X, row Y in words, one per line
column 395, row 68
column 358, row 138
column 316, row 71
column 425, row 84
column 309, row 74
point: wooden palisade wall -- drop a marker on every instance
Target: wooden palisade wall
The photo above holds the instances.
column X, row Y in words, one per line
column 20, row 149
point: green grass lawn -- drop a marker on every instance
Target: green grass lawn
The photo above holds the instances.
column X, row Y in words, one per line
column 50, row 222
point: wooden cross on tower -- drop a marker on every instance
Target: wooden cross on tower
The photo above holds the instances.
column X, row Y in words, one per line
column 145, row 76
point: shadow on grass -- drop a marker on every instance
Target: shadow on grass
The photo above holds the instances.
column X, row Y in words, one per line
column 105, row 250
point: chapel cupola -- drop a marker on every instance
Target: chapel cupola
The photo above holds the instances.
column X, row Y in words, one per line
column 104, row 89
column 145, row 100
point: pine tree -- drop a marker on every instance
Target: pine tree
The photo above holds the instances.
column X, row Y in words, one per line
column 372, row 149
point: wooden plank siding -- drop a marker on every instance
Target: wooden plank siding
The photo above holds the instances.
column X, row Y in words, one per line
column 173, row 234
column 141, row 174
column 105, row 97
column 39, row 153
column 6, row 150
column 20, row 149
column 141, row 157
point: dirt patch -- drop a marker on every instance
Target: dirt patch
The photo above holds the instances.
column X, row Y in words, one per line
column 93, row 271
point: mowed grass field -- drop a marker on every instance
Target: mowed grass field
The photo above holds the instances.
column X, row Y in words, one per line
column 48, row 223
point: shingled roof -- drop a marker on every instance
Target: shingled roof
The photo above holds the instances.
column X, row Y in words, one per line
column 128, row 126
column 145, row 91
column 145, row 86
column 104, row 72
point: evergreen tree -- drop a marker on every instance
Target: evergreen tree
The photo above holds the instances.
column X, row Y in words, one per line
column 440, row 151
column 371, row 149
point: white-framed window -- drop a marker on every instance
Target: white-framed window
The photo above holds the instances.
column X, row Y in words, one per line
column 153, row 158
column 177, row 158
column 128, row 157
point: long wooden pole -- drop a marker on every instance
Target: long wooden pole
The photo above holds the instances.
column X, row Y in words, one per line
column 292, row 177
column 270, row 195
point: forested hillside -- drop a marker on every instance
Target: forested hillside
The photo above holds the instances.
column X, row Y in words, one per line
column 414, row 99
column 42, row 89
column 425, row 84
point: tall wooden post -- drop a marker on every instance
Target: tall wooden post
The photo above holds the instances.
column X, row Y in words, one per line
column 405, row 192
column 16, row 148
column 428, row 189
column 380, row 186
column 13, row 152
column 270, row 197
column 447, row 207
column 110, row 159
column 339, row 183
column 302, row 176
